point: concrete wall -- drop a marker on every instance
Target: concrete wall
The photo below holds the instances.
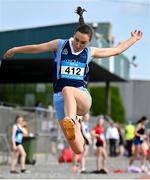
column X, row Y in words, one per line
column 136, row 97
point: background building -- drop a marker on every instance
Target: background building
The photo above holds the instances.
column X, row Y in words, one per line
column 136, row 98
column 23, row 68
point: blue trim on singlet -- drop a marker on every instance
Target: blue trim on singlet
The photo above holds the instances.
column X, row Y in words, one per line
column 89, row 59
column 61, row 44
column 89, row 55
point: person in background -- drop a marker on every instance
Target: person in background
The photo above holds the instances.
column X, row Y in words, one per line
column 76, row 158
column 50, row 111
column 17, row 136
column 139, row 147
column 71, row 74
column 121, row 140
column 98, row 133
column 129, row 137
column 112, row 135
column 54, row 134
column 85, row 129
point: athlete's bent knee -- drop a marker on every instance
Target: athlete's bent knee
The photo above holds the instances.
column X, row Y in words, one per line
column 66, row 90
column 78, row 150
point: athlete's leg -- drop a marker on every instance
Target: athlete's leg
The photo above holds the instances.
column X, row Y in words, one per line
column 23, row 156
column 14, row 160
column 104, row 159
column 135, row 154
column 144, row 154
column 75, row 102
column 77, row 144
column 83, row 158
column 98, row 158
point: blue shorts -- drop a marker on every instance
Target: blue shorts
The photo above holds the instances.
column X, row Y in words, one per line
column 137, row 141
column 58, row 100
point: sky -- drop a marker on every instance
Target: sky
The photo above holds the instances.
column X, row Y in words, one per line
column 124, row 15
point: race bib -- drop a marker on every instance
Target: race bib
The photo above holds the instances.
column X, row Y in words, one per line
column 72, row 70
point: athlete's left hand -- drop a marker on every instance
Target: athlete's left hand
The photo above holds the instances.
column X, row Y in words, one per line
column 137, row 34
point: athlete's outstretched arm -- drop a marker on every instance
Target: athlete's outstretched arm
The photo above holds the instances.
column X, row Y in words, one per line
column 107, row 52
column 32, row 49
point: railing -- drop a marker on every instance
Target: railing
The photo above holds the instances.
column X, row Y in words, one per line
column 42, row 124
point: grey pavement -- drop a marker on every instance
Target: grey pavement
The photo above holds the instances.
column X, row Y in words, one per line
column 53, row 170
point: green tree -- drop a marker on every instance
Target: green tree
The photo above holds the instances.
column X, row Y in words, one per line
column 99, row 103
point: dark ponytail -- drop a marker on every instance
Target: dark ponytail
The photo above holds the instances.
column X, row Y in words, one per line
column 80, row 12
column 83, row 28
column 142, row 119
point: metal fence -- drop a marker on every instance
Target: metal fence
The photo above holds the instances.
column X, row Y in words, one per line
column 42, row 124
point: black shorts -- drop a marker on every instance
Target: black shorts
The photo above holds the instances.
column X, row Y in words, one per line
column 17, row 143
column 99, row 144
column 86, row 141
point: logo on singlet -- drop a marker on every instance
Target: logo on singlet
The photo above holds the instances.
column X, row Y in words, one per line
column 65, row 51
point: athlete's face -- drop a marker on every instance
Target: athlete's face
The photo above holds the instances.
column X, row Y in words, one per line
column 145, row 122
column 20, row 120
column 80, row 41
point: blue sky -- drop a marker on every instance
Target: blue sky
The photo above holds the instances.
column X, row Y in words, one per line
column 124, row 15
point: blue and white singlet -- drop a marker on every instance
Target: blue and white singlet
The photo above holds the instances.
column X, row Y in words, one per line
column 19, row 135
column 71, row 68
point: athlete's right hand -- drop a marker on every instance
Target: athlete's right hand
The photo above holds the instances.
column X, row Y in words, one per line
column 15, row 148
column 10, row 53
